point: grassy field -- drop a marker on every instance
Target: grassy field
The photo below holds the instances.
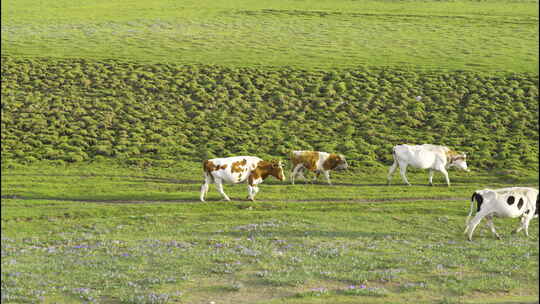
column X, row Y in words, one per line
column 105, row 104
column 490, row 35
column 111, row 234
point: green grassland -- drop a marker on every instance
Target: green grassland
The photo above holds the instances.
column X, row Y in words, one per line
column 105, row 233
column 108, row 107
column 489, row 35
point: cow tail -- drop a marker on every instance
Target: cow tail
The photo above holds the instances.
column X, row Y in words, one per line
column 473, row 197
column 207, row 175
column 394, row 155
column 479, row 200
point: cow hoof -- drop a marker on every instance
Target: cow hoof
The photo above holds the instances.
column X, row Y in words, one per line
column 430, row 184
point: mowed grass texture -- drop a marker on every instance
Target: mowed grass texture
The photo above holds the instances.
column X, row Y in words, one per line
column 102, row 233
column 471, row 35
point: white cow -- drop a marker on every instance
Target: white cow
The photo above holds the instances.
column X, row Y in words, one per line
column 506, row 202
column 316, row 162
column 238, row 169
column 432, row 157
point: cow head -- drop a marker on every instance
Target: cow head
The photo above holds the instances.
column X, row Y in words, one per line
column 276, row 170
column 341, row 163
column 458, row 160
column 335, row 162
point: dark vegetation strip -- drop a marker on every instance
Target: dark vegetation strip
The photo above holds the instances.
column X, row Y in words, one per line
column 187, row 181
column 148, row 178
column 378, row 200
column 72, row 110
column 304, row 13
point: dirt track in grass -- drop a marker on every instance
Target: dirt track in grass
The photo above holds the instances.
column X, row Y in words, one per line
column 156, row 179
column 354, row 201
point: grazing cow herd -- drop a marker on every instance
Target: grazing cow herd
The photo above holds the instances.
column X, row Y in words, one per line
column 511, row 202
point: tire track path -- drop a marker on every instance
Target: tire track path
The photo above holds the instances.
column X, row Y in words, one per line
column 157, row 179
column 340, row 200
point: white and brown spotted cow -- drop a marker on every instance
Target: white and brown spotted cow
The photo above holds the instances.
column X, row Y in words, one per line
column 432, row 157
column 316, row 162
column 511, row 202
column 238, row 169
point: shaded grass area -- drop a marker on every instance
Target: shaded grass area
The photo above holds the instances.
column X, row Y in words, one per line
column 273, row 251
column 488, row 36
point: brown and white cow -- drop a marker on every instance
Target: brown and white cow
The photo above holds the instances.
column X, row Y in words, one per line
column 238, row 169
column 316, row 162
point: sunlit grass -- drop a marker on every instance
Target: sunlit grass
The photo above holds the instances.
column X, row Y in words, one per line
column 280, row 249
column 488, row 36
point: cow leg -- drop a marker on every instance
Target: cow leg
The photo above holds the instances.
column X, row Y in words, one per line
column 255, row 191
column 204, row 190
column 524, row 225
column 315, row 176
column 522, row 221
column 294, row 172
column 205, row 186
column 327, row 176
column 431, row 177
column 391, row 172
column 527, row 226
column 489, row 220
column 403, row 171
column 473, row 223
column 445, row 173
column 219, row 187
column 300, row 174
column 251, row 192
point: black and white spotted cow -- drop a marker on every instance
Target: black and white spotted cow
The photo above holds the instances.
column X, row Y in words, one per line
column 511, row 202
